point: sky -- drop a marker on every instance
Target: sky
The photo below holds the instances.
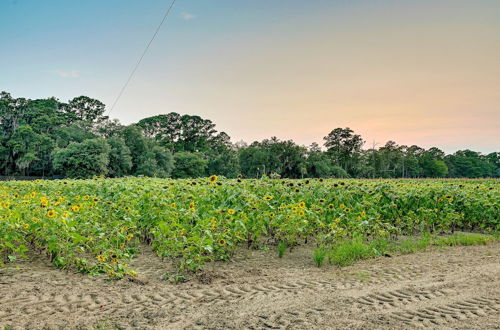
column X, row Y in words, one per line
column 424, row 72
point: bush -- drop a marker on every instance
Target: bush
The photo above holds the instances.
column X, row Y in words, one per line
column 189, row 165
column 82, row 160
column 349, row 252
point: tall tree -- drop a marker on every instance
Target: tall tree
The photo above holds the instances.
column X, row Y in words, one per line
column 344, row 148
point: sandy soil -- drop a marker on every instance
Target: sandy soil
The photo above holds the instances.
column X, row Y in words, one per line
column 453, row 288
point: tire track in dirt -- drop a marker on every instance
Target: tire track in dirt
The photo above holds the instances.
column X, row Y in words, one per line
column 113, row 302
column 444, row 313
column 396, row 291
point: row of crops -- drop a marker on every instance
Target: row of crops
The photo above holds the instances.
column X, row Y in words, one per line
column 96, row 226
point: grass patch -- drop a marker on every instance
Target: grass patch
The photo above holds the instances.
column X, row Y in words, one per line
column 348, row 252
column 463, row 239
column 412, row 246
column 319, row 255
column 281, row 249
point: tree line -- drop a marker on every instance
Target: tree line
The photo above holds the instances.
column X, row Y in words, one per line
column 47, row 137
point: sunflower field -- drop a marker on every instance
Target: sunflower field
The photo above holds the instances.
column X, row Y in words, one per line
column 96, row 226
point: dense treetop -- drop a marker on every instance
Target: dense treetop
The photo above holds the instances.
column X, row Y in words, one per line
column 47, row 138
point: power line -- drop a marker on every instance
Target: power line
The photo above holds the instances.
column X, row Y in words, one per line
column 142, row 56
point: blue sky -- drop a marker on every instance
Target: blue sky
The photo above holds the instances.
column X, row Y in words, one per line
column 418, row 72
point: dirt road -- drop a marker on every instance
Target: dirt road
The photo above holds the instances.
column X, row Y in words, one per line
column 453, row 288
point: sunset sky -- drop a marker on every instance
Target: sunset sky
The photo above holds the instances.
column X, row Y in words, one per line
column 423, row 72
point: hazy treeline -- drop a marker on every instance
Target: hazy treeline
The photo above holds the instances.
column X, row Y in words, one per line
column 47, row 137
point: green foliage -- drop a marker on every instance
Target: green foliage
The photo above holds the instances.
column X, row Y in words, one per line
column 349, row 252
column 319, row 255
column 182, row 132
column 189, row 165
column 83, row 160
column 148, row 158
column 282, row 246
column 95, row 226
column 344, row 148
column 411, row 246
column 31, row 130
column 463, row 240
column 120, row 160
column 273, row 156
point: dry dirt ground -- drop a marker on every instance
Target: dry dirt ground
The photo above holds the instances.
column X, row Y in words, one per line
column 453, row 288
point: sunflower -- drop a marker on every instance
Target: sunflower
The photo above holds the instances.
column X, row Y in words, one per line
column 213, row 178
column 301, row 213
column 231, row 211
column 65, row 215
column 302, row 205
column 174, row 205
column 268, row 198
column 101, row 258
column 51, row 213
column 191, row 206
column 222, row 242
column 75, row 208
column 26, row 225
column 321, row 201
column 331, row 207
column 33, row 194
column 6, row 205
